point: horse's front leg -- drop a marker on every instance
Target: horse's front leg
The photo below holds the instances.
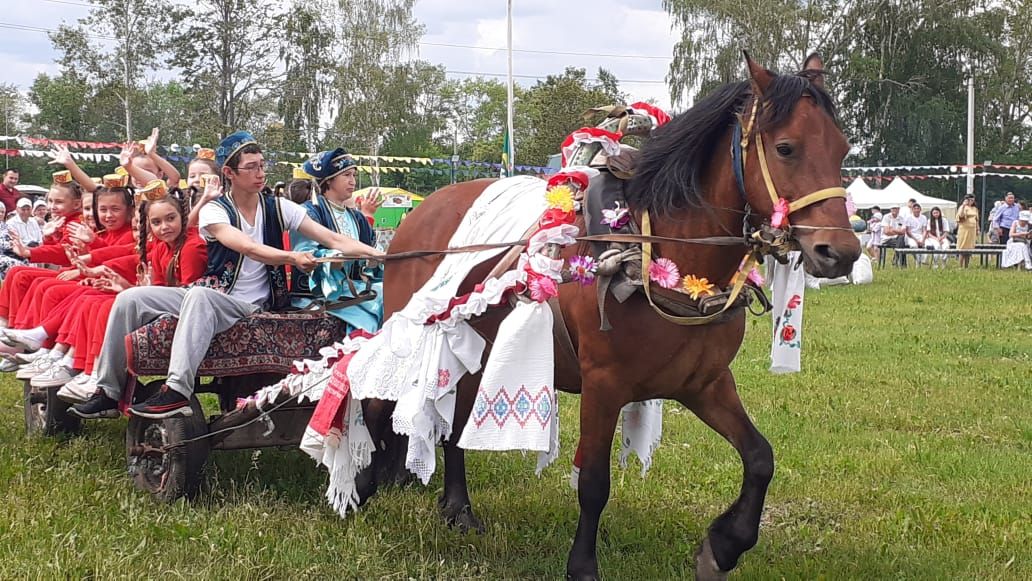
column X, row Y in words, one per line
column 456, row 508
column 736, row 530
column 599, row 412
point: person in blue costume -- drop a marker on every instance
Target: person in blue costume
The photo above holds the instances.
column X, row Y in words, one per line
column 334, row 172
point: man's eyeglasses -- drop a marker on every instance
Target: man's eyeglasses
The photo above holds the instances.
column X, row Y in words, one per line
column 254, row 167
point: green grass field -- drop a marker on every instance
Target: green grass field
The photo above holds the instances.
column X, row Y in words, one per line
column 904, row 451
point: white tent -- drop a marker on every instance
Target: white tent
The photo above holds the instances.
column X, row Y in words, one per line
column 902, row 189
column 896, row 194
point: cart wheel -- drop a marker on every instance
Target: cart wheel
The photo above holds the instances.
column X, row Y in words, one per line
column 45, row 414
column 157, row 464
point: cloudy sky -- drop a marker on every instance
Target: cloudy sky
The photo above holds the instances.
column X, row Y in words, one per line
column 627, row 28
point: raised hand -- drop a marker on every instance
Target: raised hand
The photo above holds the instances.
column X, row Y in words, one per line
column 125, row 157
column 212, row 189
column 19, row 247
column 60, row 156
column 53, row 226
column 151, row 145
column 81, row 233
column 371, row 202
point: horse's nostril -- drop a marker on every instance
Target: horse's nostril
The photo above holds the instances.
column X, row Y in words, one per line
column 824, row 251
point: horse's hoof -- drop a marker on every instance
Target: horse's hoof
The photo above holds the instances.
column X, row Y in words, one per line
column 462, row 519
column 706, row 568
column 591, row 574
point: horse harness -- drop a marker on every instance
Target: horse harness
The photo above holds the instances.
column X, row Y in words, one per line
column 623, row 267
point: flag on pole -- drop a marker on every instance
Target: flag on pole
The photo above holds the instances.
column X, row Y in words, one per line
column 505, row 156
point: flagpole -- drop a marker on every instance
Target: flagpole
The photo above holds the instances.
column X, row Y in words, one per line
column 510, row 162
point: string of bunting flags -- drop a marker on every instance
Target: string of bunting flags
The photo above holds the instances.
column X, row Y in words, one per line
column 172, row 153
column 953, row 176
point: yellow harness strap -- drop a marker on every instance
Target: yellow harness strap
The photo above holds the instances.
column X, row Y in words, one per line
column 646, row 260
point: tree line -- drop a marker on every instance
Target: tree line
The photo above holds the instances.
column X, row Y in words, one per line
column 308, row 74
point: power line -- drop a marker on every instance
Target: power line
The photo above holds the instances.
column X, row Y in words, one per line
column 474, row 73
column 542, row 51
column 27, row 28
column 72, row 3
column 471, row 46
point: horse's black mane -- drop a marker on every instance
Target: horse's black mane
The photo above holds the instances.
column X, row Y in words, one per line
column 674, row 159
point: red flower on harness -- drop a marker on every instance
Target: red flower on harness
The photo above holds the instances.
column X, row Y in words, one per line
column 556, row 217
column 795, row 301
column 780, row 216
column 788, row 333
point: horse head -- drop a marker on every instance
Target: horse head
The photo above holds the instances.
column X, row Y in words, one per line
column 794, row 167
column 784, row 167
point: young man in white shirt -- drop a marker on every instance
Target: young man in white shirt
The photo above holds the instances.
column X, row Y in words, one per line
column 916, row 226
column 893, row 231
column 245, row 273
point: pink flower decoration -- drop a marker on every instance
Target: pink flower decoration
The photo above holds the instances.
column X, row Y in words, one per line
column 582, row 269
column 755, row 277
column 794, row 302
column 443, row 378
column 541, row 287
column 780, row 216
column 664, row 272
column 616, row 218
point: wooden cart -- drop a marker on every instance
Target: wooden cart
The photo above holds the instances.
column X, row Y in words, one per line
column 166, row 457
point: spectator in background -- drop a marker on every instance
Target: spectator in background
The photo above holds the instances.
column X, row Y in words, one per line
column 916, row 227
column 28, row 229
column 9, row 193
column 40, row 211
column 1017, row 250
column 874, row 226
column 894, row 231
column 1005, row 216
column 935, row 238
column 967, row 228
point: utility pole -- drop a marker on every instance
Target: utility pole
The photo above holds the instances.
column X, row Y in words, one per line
column 455, row 150
column 510, row 162
column 971, row 131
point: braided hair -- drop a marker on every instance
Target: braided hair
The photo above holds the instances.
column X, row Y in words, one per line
column 178, row 200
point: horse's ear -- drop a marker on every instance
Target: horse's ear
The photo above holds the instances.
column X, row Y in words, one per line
column 813, row 67
column 759, row 76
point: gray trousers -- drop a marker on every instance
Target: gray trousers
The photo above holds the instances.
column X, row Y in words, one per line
column 202, row 313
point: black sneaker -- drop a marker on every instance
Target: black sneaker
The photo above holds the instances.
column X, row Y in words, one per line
column 166, row 403
column 97, row 407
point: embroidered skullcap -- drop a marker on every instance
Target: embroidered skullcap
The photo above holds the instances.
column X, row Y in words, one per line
column 206, row 153
column 327, row 164
column 232, row 144
column 62, row 177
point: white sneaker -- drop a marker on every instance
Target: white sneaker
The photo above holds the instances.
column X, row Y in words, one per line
column 7, row 365
column 56, row 376
column 30, row 356
column 79, row 389
column 18, row 339
column 30, row 370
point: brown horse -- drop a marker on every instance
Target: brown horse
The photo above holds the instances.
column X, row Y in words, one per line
column 686, row 181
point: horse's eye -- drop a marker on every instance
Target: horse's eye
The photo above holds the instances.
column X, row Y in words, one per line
column 784, row 149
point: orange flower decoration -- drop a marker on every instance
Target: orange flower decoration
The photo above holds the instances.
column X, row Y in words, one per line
column 696, row 287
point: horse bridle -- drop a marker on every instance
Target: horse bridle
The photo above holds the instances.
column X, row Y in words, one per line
column 775, row 240
column 741, row 138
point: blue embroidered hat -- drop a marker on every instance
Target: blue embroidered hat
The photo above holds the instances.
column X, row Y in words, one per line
column 232, row 144
column 327, row 164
